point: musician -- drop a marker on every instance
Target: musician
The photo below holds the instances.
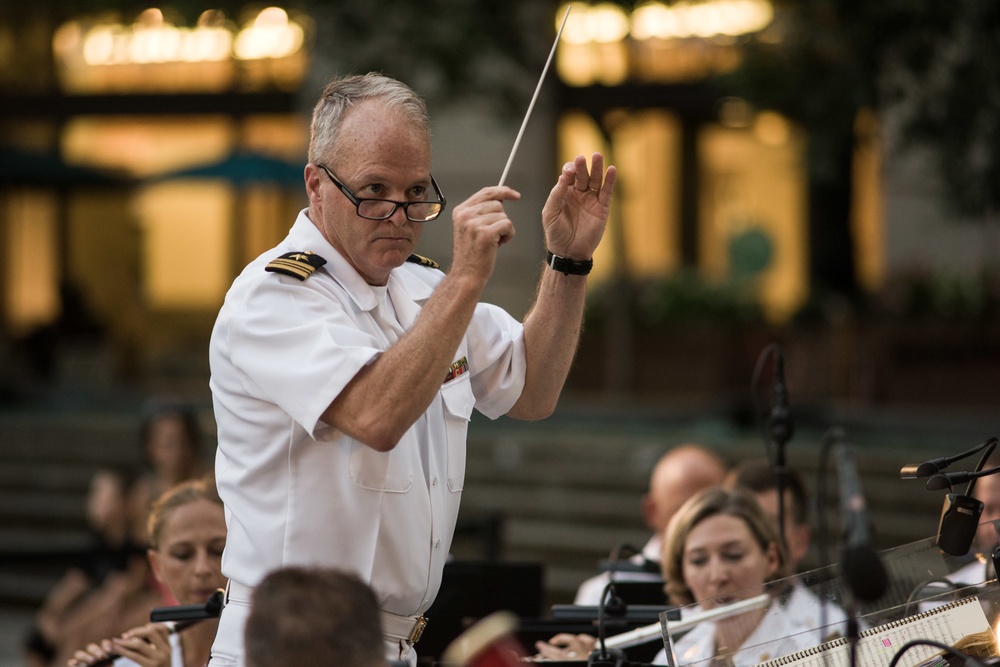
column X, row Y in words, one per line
column 757, row 477
column 679, row 474
column 187, row 533
column 720, row 548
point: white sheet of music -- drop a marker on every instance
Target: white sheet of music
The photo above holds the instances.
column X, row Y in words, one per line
column 947, row 624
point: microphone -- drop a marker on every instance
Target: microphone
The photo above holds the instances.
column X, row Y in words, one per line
column 945, row 480
column 861, row 567
column 925, row 469
column 959, row 521
column 779, row 422
column 934, row 466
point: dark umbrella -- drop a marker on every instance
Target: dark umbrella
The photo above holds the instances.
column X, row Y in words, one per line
column 244, row 168
column 21, row 167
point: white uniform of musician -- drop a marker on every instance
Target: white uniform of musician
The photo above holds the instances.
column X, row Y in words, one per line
column 783, row 630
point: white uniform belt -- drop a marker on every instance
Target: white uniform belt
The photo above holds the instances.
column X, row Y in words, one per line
column 407, row 628
column 394, row 626
column 238, row 592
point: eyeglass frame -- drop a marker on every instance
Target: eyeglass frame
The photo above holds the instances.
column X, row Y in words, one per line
column 357, row 201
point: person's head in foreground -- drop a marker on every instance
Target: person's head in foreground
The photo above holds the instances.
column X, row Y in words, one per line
column 313, row 617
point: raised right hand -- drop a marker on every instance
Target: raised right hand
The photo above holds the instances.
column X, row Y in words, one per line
column 480, row 227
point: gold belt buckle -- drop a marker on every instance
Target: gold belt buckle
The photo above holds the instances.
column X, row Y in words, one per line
column 418, row 629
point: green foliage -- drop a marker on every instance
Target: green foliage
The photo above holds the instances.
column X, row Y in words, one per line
column 682, row 299
column 925, row 295
column 934, row 64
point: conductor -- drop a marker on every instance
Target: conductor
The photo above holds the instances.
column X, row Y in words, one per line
column 345, row 368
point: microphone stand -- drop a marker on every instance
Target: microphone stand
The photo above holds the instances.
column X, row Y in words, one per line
column 779, row 427
column 601, row 656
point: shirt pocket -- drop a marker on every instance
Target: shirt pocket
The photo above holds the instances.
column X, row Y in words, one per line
column 458, row 402
column 380, row 471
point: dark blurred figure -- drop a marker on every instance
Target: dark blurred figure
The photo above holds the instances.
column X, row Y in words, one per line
column 113, row 544
column 170, row 449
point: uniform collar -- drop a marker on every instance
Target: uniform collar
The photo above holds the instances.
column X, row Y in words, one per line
column 305, row 235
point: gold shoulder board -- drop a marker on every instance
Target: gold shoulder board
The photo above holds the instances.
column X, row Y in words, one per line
column 299, row 265
column 423, row 261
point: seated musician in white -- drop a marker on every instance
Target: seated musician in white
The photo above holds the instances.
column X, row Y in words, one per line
column 719, row 548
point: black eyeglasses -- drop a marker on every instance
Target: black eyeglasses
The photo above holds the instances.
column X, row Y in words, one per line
column 382, row 209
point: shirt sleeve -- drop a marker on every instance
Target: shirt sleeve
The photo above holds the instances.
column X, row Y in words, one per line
column 497, row 360
column 298, row 345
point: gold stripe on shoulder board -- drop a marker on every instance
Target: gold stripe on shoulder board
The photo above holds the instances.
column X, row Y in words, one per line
column 423, row 261
column 298, row 265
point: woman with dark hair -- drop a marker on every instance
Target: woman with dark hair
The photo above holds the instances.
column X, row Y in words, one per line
column 720, row 548
column 170, row 449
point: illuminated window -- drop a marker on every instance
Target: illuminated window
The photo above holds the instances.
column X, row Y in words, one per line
column 867, row 212
column 153, row 53
column 752, row 209
column 185, row 244
column 31, row 261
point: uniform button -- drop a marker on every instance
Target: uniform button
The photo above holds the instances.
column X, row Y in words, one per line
column 434, row 481
column 437, row 544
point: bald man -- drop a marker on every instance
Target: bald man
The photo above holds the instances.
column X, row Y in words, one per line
column 679, row 474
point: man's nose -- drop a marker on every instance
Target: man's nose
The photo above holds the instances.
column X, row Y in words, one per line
column 398, row 216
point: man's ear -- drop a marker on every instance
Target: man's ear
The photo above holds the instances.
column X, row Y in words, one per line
column 649, row 511
column 313, row 177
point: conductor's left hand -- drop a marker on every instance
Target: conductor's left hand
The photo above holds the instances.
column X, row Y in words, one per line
column 576, row 212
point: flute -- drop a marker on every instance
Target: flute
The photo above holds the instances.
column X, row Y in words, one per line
column 177, row 619
column 645, row 633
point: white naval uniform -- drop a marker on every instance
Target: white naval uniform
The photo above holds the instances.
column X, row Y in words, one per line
column 299, row 492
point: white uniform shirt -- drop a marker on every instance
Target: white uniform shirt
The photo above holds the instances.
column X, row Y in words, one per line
column 300, row 492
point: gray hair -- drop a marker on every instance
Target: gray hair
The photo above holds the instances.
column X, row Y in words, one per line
column 341, row 94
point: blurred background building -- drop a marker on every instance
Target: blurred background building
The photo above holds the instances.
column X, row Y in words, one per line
column 823, row 174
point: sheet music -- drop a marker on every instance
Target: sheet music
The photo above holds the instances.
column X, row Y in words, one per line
column 947, row 624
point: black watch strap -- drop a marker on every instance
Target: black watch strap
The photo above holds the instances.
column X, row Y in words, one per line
column 568, row 266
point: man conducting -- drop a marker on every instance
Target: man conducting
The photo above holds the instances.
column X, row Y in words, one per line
column 345, row 370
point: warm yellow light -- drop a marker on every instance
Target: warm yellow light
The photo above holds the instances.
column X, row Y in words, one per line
column 771, row 128
column 601, row 23
column 153, row 39
column 707, row 18
column 272, row 35
column 654, row 19
column 607, row 23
